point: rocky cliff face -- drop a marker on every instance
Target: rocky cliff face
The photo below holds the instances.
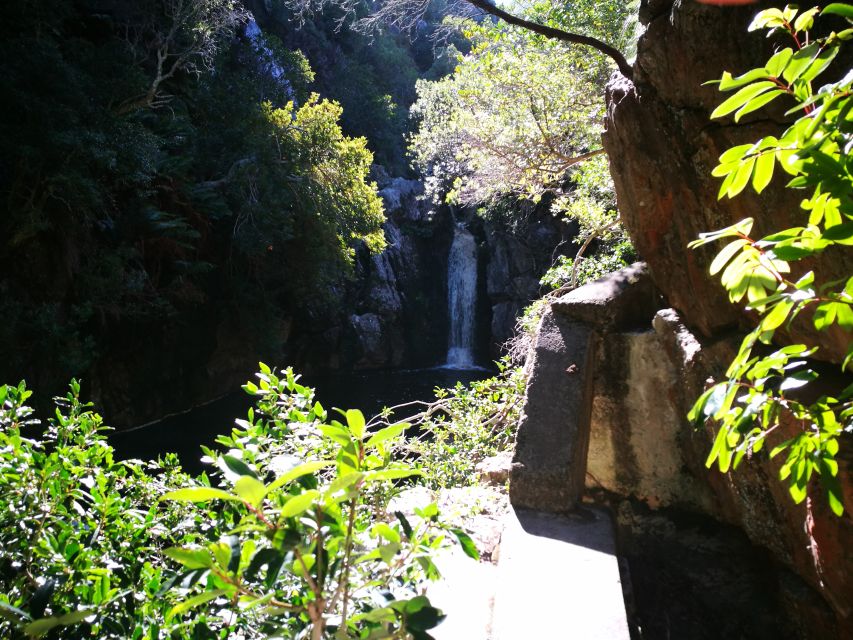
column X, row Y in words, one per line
column 516, row 258
column 662, row 147
column 398, row 301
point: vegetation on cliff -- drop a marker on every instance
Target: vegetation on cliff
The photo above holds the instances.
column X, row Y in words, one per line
column 767, row 390
column 521, row 117
column 291, row 538
column 166, row 157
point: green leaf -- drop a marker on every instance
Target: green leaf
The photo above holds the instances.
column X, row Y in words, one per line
column 404, row 522
column 805, row 20
column 383, row 530
column 777, row 63
column 763, row 171
column 844, row 315
column 758, row 102
column 741, row 177
column 193, row 602
column 769, row 18
column 466, row 543
column 727, row 82
column 7, row 610
column 198, row 494
column 838, row 9
column 190, row 558
column 237, row 466
column 820, row 62
column 799, row 63
column 725, row 255
column 337, row 433
column 299, row 504
column 829, row 481
column 387, row 433
column 297, row 472
column 38, row 628
column 840, row 234
column 778, row 314
column 355, row 422
column 391, row 474
column 743, row 96
column 251, row 490
column 720, row 446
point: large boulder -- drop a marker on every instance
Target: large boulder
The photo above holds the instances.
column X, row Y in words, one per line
column 663, row 146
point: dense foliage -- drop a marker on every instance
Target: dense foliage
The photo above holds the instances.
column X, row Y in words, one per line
column 521, row 117
column 372, row 76
column 765, row 389
column 293, row 540
column 466, row 425
column 165, row 160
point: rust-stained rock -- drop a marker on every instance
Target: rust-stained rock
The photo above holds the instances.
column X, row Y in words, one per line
column 495, row 470
column 663, row 146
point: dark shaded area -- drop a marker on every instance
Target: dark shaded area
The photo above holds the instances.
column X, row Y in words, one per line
column 369, row 391
column 689, row 576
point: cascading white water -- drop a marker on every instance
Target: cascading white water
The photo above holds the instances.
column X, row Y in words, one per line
column 461, row 298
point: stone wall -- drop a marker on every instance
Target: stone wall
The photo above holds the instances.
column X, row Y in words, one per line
column 624, row 429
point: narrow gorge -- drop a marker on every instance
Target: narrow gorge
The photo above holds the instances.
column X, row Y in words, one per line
column 334, row 320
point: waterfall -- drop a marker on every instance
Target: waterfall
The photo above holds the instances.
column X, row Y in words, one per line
column 461, row 298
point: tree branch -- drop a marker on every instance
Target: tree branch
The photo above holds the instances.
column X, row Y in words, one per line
column 558, row 34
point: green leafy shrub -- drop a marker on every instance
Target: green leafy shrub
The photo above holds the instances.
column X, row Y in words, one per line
column 294, row 540
column 764, row 390
column 304, row 549
column 79, row 531
column 466, row 425
column 606, row 260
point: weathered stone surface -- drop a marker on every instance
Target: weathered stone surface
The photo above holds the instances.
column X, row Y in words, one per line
column 551, row 446
column 496, row 469
column 637, row 425
column 662, row 147
column 398, row 191
column 624, row 299
column 504, row 316
column 641, row 446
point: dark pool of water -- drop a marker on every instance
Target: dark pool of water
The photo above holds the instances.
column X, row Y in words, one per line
column 369, row 391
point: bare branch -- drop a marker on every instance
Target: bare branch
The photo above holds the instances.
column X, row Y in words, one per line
column 558, row 34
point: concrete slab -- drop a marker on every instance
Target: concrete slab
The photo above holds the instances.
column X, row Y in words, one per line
column 465, row 593
column 558, row 578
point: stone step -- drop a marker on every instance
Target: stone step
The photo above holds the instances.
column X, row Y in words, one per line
column 558, row 578
column 465, row 594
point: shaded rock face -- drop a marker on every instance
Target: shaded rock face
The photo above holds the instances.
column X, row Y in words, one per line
column 692, row 577
column 394, row 311
column 515, row 260
column 642, row 374
column 662, row 147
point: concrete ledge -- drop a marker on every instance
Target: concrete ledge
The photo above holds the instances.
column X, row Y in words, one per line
column 621, row 300
column 558, row 578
